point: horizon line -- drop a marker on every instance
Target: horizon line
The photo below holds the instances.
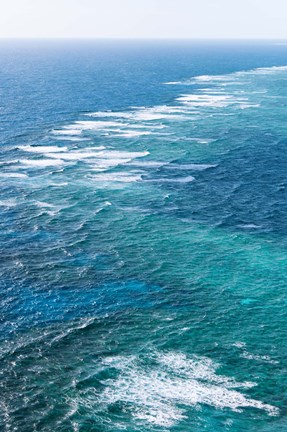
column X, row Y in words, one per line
column 3, row 38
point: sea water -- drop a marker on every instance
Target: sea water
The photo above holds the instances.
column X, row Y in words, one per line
column 143, row 236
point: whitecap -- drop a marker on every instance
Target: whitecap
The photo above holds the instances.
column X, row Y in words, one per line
column 148, row 115
column 187, row 179
column 116, row 177
column 210, row 78
column 229, row 78
column 115, row 114
column 43, row 149
column 206, row 100
column 103, row 164
column 101, row 147
column 250, row 226
column 200, row 140
column 112, row 158
column 8, row 203
column 66, row 131
column 161, row 393
column 262, row 358
column 160, row 112
column 269, row 70
column 96, row 125
column 138, row 114
column 133, row 134
column 147, row 164
column 74, row 155
column 123, row 154
column 205, row 78
column 13, row 175
column 41, row 163
column 71, row 138
column 245, row 106
column 239, row 344
column 173, row 83
column 249, row 356
column 43, row 204
column 105, row 205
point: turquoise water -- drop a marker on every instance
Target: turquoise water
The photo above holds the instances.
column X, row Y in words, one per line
column 143, row 237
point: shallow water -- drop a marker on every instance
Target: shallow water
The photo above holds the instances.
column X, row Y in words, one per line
column 143, row 236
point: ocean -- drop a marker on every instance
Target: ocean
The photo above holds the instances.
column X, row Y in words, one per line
column 143, row 236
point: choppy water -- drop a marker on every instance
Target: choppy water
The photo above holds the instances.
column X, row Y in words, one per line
column 143, row 237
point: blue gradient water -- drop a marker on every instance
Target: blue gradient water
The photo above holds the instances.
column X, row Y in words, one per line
column 143, row 236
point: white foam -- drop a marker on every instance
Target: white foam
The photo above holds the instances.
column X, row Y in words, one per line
column 104, row 164
column 8, row 203
column 269, row 70
column 239, row 344
column 43, row 204
column 139, row 114
column 187, row 179
column 204, row 78
column 201, row 367
column 229, row 78
column 41, row 163
column 67, row 131
column 160, row 112
column 105, row 205
column 264, row 358
column 59, row 184
column 99, row 157
column 147, row 164
column 205, row 141
column 125, row 130
column 112, row 158
column 123, row 154
column 212, row 91
column 161, row 393
column 133, row 134
column 71, row 138
column 95, row 148
column 96, row 125
column 200, row 140
column 74, row 155
column 149, row 115
column 174, row 83
column 249, row 356
column 104, row 114
column 210, row 78
column 206, row 100
column 149, row 126
column 245, row 106
column 116, row 177
column 43, row 149
column 13, row 175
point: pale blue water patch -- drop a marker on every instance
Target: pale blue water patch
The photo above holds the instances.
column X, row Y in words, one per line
column 143, row 236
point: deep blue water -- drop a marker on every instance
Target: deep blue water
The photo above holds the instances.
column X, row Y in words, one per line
column 143, row 236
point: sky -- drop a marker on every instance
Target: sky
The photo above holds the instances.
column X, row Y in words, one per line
column 168, row 19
